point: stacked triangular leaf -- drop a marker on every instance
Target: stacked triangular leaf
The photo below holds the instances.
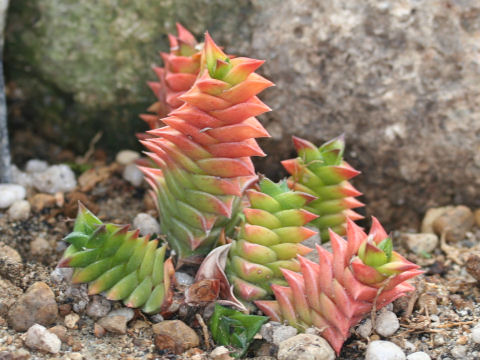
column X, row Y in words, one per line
column 337, row 292
column 323, row 173
column 203, row 153
column 116, row 261
column 181, row 67
column 269, row 239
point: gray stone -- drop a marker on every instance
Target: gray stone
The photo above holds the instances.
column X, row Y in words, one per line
column 127, row 313
column 35, row 166
column 126, row 157
column 60, row 275
column 305, row 347
column 386, row 323
column 275, row 333
column 39, row 338
column 98, row 307
column 387, row 76
column 9, row 193
column 423, row 243
column 475, row 335
column 21, row 178
column 419, row 355
column 133, row 175
column 79, row 295
column 57, row 178
column 19, row 210
column 39, row 246
column 384, row 350
column 146, row 223
column 365, row 328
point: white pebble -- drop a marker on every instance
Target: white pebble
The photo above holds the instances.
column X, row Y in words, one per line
column 146, row 223
column 275, row 332
column 419, row 355
column 19, row 210
column 125, row 157
column 459, row 352
column 133, row 175
column 476, row 334
column 384, row 350
column 365, row 328
column 38, row 337
column 220, row 353
column 21, row 178
column 386, row 324
column 183, row 278
column 35, row 166
column 9, row 193
column 57, row 178
column 305, row 346
column 423, row 243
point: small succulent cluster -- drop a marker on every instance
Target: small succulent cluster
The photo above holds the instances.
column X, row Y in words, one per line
column 117, row 261
column 203, row 135
column 334, row 294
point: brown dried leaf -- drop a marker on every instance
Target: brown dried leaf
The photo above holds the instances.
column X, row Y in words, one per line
column 202, row 292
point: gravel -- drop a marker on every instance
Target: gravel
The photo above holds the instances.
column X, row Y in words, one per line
column 19, row 210
column 305, row 347
column 475, row 336
column 125, row 157
column 98, row 307
column 386, row 323
column 275, row 332
column 419, row 355
column 133, row 175
column 35, row 166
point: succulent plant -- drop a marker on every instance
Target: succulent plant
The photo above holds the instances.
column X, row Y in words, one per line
column 323, row 173
column 268, row 239
column 115, row 260
column 203, row 153
column 361, row 274
column 234, row 328
column 181, row 67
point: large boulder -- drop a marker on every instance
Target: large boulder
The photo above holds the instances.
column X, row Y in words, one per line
column 400, row 79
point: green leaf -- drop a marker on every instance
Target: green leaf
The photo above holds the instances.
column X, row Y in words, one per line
column 386, row 245
column 233, row 328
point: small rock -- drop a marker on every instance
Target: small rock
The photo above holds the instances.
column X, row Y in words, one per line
column 275, row 332
column 9, row 294
column 98, row 307
column 365, row 328
column 39, row 338
column 57, row 178
column 220, row 353
column 60, row 331
column 430, row 216
column 156, row 318
column 9, row 193
column 98, row 330
column 127, row 313
column 71, row 320
column 37, row 305
column 182, row 336
column 459, row 352
column 125, row 157
column 476, row 334
column 19, row 210
column 305, row 347
column 476, row 214
column 21, row 178
column 438, row 339
column 79, row 295
column 133, row 175
column 39, row 246
column 64, row 309
column 59, row 275
column 384, row 350
column 473, row 266
column 42, row 201
column 75, row 356
column 9, row 253
column 115, row 324
column 386, row 323
column 423, row 243
column 146, row 223
column 35, row 166
column 183, row 278
column 455, row 223
column 419, row 355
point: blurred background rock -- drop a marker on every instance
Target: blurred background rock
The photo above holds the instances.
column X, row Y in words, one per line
column 400, row 78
